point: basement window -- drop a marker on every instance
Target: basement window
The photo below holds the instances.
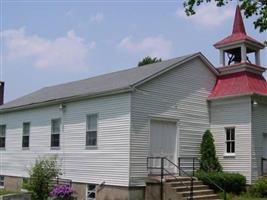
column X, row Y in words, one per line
column 91, row 191
column 2, row 181
column 230, row 141
column 2, row 136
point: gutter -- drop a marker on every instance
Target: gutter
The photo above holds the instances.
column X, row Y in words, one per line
column 66, row 100
column 235, row 96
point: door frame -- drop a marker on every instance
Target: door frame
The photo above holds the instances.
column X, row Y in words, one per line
column 177, row 141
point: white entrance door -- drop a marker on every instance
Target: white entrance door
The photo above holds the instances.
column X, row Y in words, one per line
column 265, row 152
column 163, row 139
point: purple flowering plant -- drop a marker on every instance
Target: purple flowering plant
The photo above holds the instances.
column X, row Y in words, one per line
column 62, row 192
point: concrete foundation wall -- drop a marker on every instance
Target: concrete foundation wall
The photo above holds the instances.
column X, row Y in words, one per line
column 13, row 184
column 80, row 190
column 153, row 192
column 120, row 193
column 105, row 192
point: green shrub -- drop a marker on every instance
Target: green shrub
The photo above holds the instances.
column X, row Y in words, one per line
column 259, row 189
column 231, row 182
column 42, row 174
column 208, row 160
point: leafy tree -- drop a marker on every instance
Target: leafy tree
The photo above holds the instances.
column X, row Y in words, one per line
column 148, row 60
column 256, row 8
column 209, row 161
column 42, row 174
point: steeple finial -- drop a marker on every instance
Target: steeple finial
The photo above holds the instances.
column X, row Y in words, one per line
column 238, row 26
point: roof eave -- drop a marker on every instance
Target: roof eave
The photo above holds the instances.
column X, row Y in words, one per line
column 257, row 44
column 236, row 96
column 66, row 100
column 230, row 96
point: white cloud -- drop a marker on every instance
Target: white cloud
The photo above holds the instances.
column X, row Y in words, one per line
column 209, row 14
column 152, row 46
column 69, row 52
column 97, row 18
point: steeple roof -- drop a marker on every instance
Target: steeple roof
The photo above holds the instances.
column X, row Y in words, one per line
column 238, row 26
column 241, row 83
column 238, row 33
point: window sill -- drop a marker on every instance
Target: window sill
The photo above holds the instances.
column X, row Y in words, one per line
column 25, row 148
column 229, row 155
column 91, row 147
column 2, row 149
column 54, row 148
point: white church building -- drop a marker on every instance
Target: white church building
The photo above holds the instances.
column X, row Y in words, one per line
column 104, row 128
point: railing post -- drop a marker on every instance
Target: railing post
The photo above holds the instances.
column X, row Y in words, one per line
column 179, row 164
column 161, row 178
column 192, row 189
column 193, row 166
column 262, row 166
column 224, row 192
column 147, row 165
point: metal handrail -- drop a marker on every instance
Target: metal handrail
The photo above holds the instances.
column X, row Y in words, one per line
column 212, row 182
column 162, row 168
column 189, row 158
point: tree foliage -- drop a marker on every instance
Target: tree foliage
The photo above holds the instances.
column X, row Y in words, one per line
column 148, row 60
column 209, row 161
column 42, row 174
column 256, row 8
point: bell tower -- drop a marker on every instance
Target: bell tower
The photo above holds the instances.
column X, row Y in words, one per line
column 240, row 72
column 235, row 48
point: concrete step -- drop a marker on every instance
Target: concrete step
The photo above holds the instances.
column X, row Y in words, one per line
column 187, row 183
column 172, row 179
column 198, row 192
column 196, row 187
column 210, row 197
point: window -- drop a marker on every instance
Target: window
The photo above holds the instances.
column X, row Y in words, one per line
column 91, row 130
column 2, row 181
column 230, row 140
column 2, row 136
column 55, row 132
column 91, row 192
column 26, row 135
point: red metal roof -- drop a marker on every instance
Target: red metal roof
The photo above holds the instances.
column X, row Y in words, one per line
column 239, row 31
column 239, row 84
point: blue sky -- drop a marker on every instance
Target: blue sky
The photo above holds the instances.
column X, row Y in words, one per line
column 50, row 42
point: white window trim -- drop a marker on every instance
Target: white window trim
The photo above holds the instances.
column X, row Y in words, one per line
column 226, row 154
column 26, row 148
column 3, row 148
column 52, row 133
column 86, row 130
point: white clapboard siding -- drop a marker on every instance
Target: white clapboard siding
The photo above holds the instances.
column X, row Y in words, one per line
column 259, row 126
column 180, row 93
column 109, row 162
column 233, row 113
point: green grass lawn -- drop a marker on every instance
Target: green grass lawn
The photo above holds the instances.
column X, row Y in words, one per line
column 245, row 196
column 4, row 192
